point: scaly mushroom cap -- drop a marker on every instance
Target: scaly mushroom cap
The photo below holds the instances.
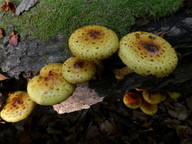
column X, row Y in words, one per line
column 153, row 97
column 132, row 100
column 93, row 42
column 76, row 70
column 18, row 106
column 146, row 53
column 49, row 87
column 149, row 109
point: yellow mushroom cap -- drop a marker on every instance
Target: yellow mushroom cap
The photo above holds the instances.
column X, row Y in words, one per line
column 51, row 69
column 146, row 53
column 50, row 87
column 174, row 95
column 148, row 108
column 132, row 100
column 18, row 106
column 153, row 97
column 76, row 70
column 93, row 42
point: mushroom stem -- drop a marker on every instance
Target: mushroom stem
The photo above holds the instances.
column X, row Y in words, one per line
column 120, row 73
column 99, row 66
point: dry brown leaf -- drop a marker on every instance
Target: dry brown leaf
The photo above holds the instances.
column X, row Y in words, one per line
column 14, row 38
column 1, row 33
column 2, row 77
column 25, row 5
column 8, row 6
column 82, row 98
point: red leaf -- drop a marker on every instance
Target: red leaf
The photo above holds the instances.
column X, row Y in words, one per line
column 14, row 38
column 1, row 33
column 8, row 6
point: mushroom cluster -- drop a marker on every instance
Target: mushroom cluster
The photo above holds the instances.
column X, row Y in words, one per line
column 49, row 87
column 143, row 53
column 147, row 100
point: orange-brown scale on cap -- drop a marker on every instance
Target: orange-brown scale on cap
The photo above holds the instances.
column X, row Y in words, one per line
column 78, row 64
column 16, row 101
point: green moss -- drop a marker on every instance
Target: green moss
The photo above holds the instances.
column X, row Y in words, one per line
column 51, row 17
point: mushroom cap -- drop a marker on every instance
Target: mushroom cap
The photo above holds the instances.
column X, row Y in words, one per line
column 93, row 42
column 132, row 100
column 153, row 97
column 149, row 109
column 49, row 87
column 146, row 53
column 51, row 69
column 76, row 70
column 174, row 95
column 18, row 106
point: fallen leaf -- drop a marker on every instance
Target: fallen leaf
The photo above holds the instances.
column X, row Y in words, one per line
column 14, row 38
column 25, row 5
column 8, row 6
column 1, row 33
column 2, row 77
column 82, row 98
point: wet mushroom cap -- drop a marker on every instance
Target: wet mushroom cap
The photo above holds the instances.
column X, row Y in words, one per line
column 132, row 100
column 93, row 42
column 50, row 87
column 146, row 53
column 76, row 70
column 18, row 106
column 149, row 109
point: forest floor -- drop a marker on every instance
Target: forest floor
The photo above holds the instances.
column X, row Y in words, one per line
column 110, row 121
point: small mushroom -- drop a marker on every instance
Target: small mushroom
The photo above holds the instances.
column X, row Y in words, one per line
column 93, row 42
column 50, row 87
column 18, row 106
column 132, row 100
column 76, row 70
column 146, row 53
column 149, row 109
column 174, row 95
column 153, row 97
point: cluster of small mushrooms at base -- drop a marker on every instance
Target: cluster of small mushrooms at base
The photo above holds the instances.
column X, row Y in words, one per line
column 147, row 100
column 142, row 52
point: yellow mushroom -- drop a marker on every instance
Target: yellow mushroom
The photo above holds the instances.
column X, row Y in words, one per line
column 50, row 87
column 76, row 70
column 149, row 109
column 132, row 100
column 153, row 97
column 18, row 106
column 93, row 42
column 174, row 95
column 147, row 54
